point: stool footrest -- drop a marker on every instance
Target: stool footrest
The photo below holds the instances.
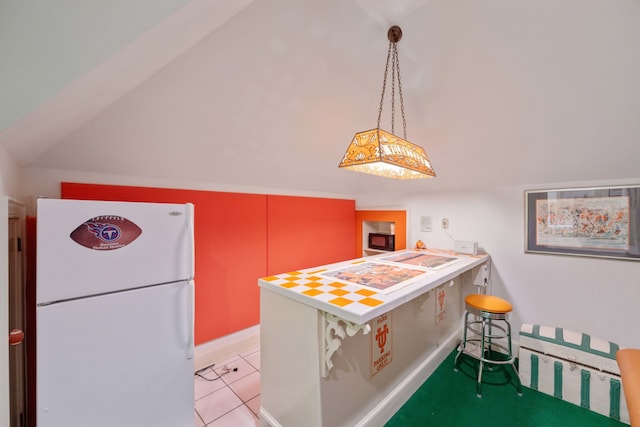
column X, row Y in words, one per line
column 476, row 326
column 475, row 351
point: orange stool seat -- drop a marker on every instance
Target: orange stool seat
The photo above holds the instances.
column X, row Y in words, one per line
column 487, row 335
column 488, row 303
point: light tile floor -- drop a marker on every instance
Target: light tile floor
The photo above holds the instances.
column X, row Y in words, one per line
column 230, row 394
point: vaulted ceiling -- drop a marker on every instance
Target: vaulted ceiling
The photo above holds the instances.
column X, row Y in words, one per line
column 269, row 93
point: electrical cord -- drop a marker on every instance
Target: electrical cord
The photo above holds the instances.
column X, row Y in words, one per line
column 447, row 233
column 225, row 371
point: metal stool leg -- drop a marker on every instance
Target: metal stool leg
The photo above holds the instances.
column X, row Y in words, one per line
column 463, row 344
column 482, row 351
column 488, row 353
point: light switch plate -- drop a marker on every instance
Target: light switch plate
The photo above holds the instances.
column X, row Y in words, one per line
column 426, row 223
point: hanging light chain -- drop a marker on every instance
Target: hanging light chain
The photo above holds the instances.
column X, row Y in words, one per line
column 384, row 83
column 404, row 120
column 394, row 58
column 392, row 55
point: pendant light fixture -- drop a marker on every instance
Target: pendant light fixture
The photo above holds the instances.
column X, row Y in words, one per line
column 379, row 152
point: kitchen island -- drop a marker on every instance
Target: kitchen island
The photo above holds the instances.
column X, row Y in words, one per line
column 347, row 344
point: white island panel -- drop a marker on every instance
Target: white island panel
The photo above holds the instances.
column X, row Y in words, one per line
column 424, row 331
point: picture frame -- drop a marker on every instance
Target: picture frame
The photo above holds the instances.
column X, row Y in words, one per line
column 419, row 259
column 601, row 222
column 376, row 276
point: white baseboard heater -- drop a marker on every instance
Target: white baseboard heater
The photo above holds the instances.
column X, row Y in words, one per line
column 574, row 367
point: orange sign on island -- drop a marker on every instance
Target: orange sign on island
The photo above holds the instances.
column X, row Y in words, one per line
column 381, row 343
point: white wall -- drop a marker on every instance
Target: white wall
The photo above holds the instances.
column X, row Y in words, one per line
column 9, row 175
column 592, row 295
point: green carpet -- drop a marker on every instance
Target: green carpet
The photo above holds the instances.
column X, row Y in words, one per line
column 448, row 398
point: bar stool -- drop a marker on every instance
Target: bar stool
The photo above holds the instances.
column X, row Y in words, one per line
column 487, row 335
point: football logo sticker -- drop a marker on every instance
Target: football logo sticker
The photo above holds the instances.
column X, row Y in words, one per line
column 106, row 233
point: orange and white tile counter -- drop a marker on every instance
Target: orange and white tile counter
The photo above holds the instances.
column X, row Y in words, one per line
column 320, row 339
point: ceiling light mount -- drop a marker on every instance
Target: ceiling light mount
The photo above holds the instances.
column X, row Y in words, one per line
column 394, row 34
column 382, row 153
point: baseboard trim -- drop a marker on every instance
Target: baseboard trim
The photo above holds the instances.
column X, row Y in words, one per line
column 266, row 420
column 214, row 351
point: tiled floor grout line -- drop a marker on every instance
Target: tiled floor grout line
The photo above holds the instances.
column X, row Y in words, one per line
column 256, row 370
column 201, row 420
column 219, row 377
column 229, row 411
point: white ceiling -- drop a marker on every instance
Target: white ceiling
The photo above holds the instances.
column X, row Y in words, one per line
column 269, row 93
column 45, row 96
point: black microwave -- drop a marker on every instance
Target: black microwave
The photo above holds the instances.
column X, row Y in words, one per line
column 382, row 241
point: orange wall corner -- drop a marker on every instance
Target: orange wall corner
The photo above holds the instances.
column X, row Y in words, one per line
column 399, row 217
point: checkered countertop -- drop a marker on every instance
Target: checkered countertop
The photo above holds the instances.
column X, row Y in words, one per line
column 356, row 303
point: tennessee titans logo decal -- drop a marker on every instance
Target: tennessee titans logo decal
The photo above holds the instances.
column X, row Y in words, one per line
column 106, row 232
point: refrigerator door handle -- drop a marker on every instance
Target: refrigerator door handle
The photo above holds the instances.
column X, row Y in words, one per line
column 191, row 242
column 190, row 318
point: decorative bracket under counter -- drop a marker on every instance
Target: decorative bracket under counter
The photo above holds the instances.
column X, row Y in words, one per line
column 334, row 331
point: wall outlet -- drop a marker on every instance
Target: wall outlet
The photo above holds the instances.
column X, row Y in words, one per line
column 481, row 275
column 445, row 223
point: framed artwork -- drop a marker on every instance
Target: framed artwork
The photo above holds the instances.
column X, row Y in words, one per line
column 419, row 259
column 384, row 278
column 594, row 222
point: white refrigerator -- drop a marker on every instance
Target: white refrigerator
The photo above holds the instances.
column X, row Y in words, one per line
column 114, row 314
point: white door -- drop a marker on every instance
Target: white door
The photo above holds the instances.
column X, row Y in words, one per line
column 17, row 327
column 123, row 359
column 91, row 247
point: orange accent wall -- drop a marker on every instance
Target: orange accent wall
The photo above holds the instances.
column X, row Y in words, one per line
column 399, row 217
column 305, row 232
column 241, row 237
column 230, row 250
